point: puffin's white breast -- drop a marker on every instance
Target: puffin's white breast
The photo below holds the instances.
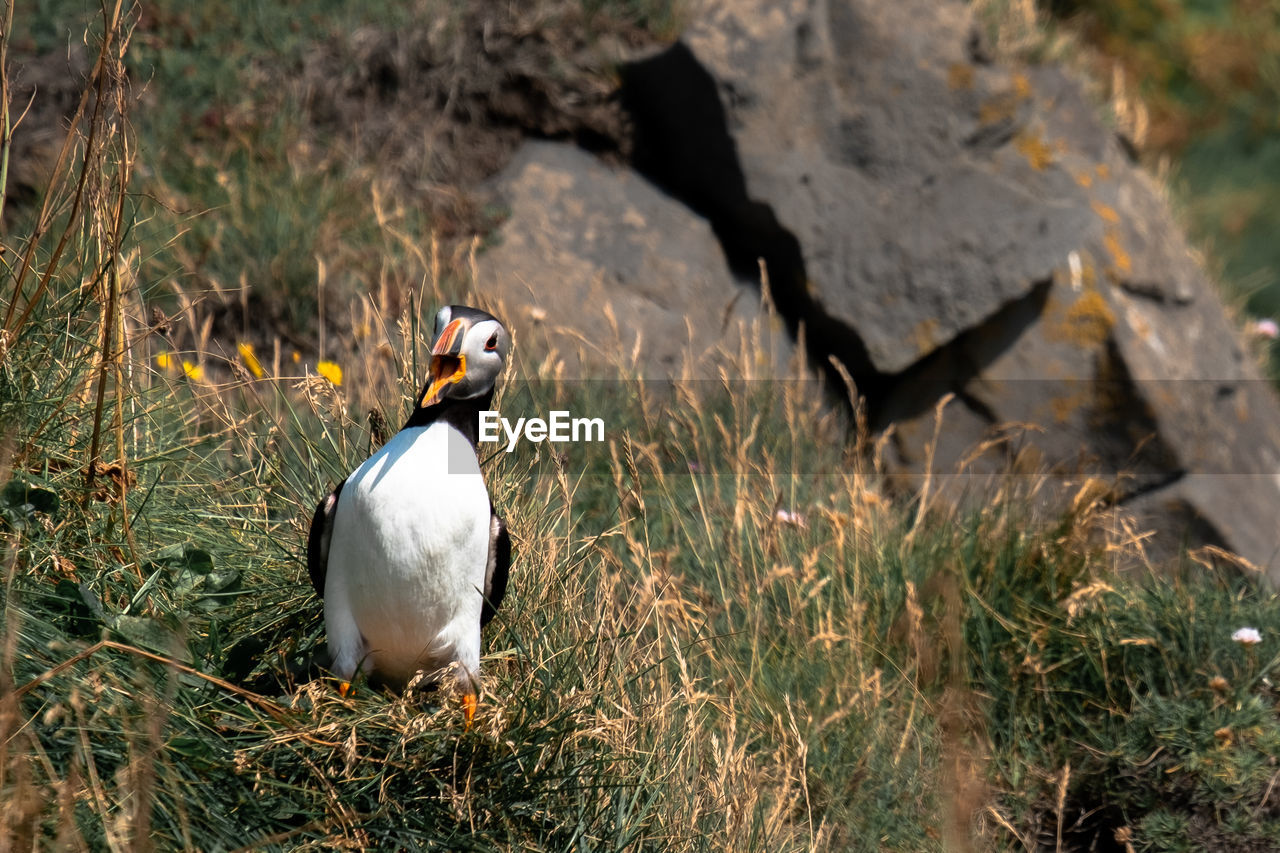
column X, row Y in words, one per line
column 410, row 544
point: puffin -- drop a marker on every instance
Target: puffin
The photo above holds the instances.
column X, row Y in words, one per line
column 407, row 552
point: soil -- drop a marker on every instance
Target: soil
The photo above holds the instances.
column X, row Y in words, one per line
column 443, row 105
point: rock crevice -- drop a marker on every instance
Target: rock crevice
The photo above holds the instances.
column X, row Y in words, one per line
column 941, row 225
column 682, row 143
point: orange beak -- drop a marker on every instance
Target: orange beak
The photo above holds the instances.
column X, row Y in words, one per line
column 448, row 364
column 468, row 710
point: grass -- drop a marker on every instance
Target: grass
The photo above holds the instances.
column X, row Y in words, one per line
column 726, row 629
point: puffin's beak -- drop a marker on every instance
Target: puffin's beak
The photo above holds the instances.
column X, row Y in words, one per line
column 448, row 364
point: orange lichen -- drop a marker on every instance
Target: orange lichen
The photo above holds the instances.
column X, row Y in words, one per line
column 1003, row 106
column 1090, row 319
column 1062, row 408
column 1106, row 211
column 1084, row 179
column 1021, row 86
column 1087, row 319
column 1103, row 170
column 997, row 109
column 1115, row 248
column 925, row 335
column 1031, row 146
column 960, row 76
column 1088, row 276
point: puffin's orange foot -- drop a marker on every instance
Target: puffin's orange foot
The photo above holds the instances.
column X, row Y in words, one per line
column 468, row 709
column 344, row 688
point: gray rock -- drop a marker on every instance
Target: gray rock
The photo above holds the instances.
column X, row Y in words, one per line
column 885, row 151
column 1201, row 509
column 598, row 267
column 980, row 231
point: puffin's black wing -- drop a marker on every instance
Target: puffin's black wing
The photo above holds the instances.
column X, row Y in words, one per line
column 318, row 539
column 495, row 573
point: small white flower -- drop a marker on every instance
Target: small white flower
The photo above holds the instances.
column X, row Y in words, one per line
column 1247, row 636
column 794, row 519
column 1266, row 328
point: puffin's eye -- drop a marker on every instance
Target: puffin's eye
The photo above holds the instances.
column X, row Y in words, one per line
column 492, row 343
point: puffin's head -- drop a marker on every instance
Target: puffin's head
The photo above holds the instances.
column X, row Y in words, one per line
column 470, row 348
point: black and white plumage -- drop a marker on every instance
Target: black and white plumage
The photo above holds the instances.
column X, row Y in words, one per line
column 407, row 551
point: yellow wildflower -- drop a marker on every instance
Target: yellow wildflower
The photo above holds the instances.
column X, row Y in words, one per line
column 164, row 361
column 331, row 371
column 194, row 371
column 250, row 359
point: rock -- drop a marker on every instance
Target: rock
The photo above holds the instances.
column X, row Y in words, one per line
column 972, row 229
column 1200, row 509
column 1129, row 366
column 599, row 267
column 876, row 142
column 939, row 223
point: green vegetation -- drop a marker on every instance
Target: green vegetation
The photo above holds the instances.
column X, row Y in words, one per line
column 725, row 631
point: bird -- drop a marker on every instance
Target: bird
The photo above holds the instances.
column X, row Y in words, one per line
column 408, row 552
